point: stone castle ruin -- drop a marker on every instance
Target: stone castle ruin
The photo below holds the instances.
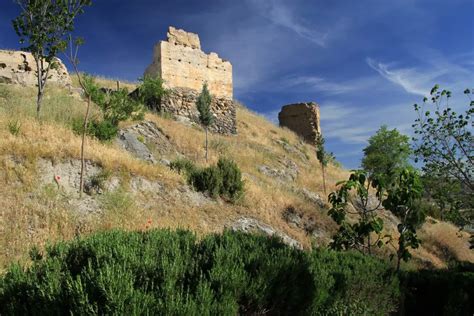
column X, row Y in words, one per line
column 303, row 119
column 184, row 68
column 17, row 67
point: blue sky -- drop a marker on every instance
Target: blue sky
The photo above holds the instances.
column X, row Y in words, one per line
column 365, row 62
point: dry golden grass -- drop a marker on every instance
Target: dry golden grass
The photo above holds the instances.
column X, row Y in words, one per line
column 109, row 83
column 446, row 241
column 33, row 215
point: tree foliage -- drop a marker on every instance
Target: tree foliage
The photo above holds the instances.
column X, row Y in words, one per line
column 322, row 156
column 445, row 144
column 203, row 104
column 387, row 153
column 151, row 91
column 357, row 235
column 43, row 25
column 402, row 200
column 206, row 117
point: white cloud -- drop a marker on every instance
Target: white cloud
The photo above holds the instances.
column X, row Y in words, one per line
column 407, row 78
column 353, row 124
column 433, row 68
column 278, row 13
column 320, row 84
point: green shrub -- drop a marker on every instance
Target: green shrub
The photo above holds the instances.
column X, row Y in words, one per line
column 344, row 278
column 151, row 91
column 232, row 184
column 439, row 292
column 183, row 165
column 160, row 272
column 103, row 130
column 224, row 179
column 207, row 180
column 14, row 127
column 97, row 182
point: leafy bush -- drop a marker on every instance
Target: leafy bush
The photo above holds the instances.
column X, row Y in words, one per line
column 439, row 292
column 103, row 130
column 151, row 91
column 232, row 184
column 353, row 278
column 207, row 180
column 160, row 272
column 183, row 165
column 224, row 179
column 14, row 127
column 115, row 105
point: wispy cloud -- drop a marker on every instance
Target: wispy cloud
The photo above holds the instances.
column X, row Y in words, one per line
column 351, row 124
column 278, row 13
column 407, row 78
column 329, row 87
column 432, row 69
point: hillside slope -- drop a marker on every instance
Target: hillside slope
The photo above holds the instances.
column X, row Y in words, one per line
column 283, row 184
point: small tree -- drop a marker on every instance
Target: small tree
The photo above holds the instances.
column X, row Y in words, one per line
column 44, row 26
column 445, row 144
column 86, row 85
column 387, row 153
column 206, row 118
column 323, row 157
column 402, row 201
column 357, row 235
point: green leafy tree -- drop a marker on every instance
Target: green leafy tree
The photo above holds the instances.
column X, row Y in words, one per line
column 445, row 145
column 402, row 200
column 357, row 235
column 43, row 25
column 150, row 91
column 206, row 118
column 322, row 156
column 387, row 153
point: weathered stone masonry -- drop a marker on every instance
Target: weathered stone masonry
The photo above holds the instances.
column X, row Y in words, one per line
column 17, row 67
column 184, row 68
column 182, row 102
column 303, row 119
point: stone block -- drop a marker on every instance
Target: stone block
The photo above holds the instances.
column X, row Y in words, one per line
column 303, row 119
column 17, row 67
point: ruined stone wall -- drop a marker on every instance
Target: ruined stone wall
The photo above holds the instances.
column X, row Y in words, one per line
column 182, row 102
column 303, row 119
column 17, row 67
column 181, row 63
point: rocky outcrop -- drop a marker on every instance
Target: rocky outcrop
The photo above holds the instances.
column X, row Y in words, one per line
column 146, row 141
column 287, row 171
column 17, row 67
column 182, row 103
column 250, row 225
column 180, row 62
column 303, row 119
column 130, row 142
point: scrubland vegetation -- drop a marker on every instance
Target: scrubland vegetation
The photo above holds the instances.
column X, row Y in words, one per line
column 37, row 214
column 153, row 238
